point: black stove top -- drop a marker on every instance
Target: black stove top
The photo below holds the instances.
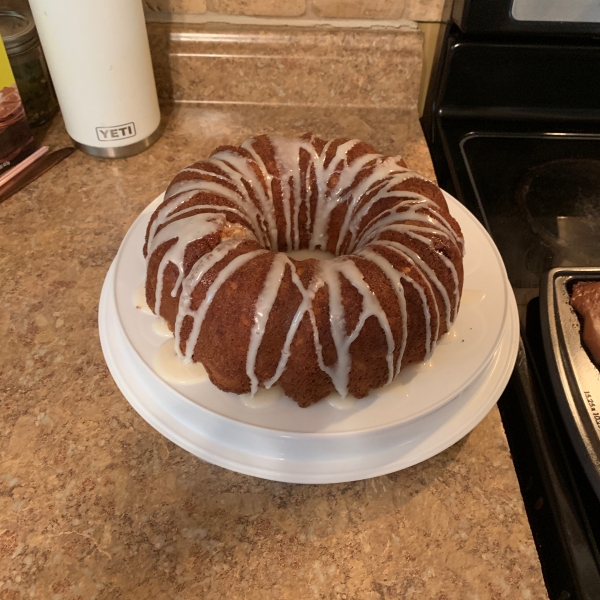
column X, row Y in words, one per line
column 539, row 196
column 530, row 171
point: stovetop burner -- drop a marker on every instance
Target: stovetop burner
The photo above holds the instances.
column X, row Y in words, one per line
column 560, row 201
column 543, row 205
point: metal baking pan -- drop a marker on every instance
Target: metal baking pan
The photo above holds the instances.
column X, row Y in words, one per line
column 575, row 378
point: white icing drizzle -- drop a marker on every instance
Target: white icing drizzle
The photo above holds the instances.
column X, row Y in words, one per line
column 395, row 277
column 339, row 372
column 427, row 271
column 431, row 337
column 329, row 199
column 264, row 304
column 184, row 231
column 247, row 199
column 305, row 307
column 384, row 168
column 186, row 297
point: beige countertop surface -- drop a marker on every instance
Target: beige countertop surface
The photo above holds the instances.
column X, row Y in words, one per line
column 95, row 504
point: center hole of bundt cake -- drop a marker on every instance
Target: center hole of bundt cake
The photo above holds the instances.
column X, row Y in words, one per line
column 305, row 254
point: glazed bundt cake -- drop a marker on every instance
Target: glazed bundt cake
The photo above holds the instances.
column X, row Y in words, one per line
column 255, row 317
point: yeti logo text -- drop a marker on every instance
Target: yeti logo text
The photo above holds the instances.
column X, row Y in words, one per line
column 118, row 132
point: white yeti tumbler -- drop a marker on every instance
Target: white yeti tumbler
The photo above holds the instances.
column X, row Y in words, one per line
column 99, row 59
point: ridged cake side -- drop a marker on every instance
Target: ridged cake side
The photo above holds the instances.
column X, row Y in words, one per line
column 255, row 317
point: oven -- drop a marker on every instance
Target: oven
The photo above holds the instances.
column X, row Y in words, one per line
column 512, row 119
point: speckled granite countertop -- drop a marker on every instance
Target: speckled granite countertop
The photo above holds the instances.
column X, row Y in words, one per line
column 95, row 504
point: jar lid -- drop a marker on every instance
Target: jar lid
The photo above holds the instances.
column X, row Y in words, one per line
column 18, row 31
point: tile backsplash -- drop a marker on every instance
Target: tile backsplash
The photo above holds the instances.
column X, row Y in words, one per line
column 415, row 10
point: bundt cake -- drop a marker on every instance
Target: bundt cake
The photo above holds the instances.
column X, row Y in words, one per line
column 255, row 317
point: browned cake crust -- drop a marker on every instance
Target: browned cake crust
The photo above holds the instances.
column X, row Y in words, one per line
column 215, row 266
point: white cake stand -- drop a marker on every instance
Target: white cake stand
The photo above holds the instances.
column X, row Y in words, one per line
column 431, row 407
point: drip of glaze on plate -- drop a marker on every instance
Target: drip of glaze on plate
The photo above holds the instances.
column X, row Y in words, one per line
column 139, row 299
column 160, row 327
column 472, row 297
column 339, row 402
column 262, row 398
column 172, row 369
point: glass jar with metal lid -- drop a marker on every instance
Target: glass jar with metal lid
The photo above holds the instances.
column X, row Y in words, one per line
column 29, row 66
